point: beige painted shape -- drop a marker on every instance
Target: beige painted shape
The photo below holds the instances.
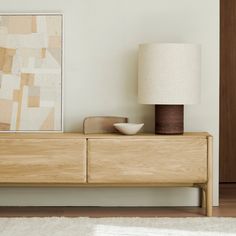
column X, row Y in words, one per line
column 46, row 70
column 5, row 20
column 3, row 36
column 30, row 52
column 20, row 24
column 43, row 52
column 34, row 91
column 6, row 58
column 50, row 65
column 10, row 51
column 7, row 64
column 2, row 57
column 54, row 42
column 16, row 95
column 33, row 101
column 27, row 79
column 34, row 24
column 19, row 108
column 54, row 25
column 4, row 126
column 56, row 53
column 48, row 124
column 6, row 111
column 31, row 117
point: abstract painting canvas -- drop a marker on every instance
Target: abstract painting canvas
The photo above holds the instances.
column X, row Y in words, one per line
column 31, row 72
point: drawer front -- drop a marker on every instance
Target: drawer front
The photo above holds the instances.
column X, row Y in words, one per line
column 43, row 161
column 180, row 160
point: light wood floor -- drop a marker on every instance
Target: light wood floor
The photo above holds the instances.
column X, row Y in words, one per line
column 227, row 208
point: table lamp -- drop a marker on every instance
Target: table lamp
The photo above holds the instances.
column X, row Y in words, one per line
column 169, row 77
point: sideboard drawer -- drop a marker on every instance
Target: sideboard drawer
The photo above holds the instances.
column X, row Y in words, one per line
column 42, row 161
column 161, row 160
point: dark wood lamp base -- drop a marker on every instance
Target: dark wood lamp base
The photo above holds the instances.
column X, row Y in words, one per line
column 169, row 119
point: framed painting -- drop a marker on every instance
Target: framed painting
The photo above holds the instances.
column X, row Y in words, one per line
column 31, row 68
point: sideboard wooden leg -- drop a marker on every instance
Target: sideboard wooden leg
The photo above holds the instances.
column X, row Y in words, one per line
column 203, row 197
column 209, row 182
column 209, row 200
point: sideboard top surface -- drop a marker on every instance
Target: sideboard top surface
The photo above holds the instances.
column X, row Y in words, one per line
column 97, row 136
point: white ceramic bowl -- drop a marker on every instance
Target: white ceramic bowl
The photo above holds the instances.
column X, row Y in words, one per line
column 128, row 128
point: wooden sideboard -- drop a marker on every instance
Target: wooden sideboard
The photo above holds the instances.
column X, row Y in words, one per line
column 73, row 159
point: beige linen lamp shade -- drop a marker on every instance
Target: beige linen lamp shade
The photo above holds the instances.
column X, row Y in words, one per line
column 169, row 73
column 169, row 77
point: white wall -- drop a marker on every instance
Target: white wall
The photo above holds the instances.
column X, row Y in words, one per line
column 101, row 40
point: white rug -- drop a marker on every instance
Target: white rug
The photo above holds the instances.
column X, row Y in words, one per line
column 54, row 226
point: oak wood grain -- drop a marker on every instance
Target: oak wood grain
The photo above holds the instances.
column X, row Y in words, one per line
column 209, row 190
column 42, row 161
column 45, row 135
column 89, row 185
column 160, row 160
